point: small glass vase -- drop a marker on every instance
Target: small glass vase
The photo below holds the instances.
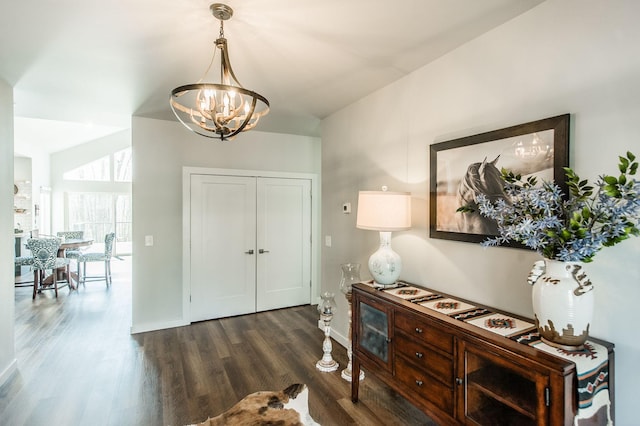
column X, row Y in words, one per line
column 350, row 276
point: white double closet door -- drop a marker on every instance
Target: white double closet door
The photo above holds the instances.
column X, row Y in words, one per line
column 250, row 244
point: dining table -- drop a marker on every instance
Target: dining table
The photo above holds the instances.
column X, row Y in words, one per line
column 68, row 244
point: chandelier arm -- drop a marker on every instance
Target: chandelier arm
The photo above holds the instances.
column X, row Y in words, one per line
column 203, row 112
column 203, row 125
column 183, row 90
column 226, row 63
column 247, row 118
column 213, row 58
column 192, row 113
column 178, row 106
column 221, row 44
column 252, row 125
column 236, row 111
column 214, row 135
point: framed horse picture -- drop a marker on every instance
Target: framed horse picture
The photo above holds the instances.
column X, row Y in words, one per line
column 465, row 167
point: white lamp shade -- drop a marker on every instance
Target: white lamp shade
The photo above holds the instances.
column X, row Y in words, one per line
column 384, row 211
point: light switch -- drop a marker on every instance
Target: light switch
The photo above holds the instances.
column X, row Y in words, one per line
column 327, row 240
column 148, row 240
column 346, row 208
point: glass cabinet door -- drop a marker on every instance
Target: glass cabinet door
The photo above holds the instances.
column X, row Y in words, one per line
column 373, row 332
column 497, row 392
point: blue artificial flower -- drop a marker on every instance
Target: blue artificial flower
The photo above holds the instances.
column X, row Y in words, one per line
column 572, row 228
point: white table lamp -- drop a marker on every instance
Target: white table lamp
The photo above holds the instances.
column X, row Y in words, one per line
column 385, row 212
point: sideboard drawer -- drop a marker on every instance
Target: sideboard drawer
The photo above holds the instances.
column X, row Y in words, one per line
column 420, row 330
column 424, row 386
column 426, row 359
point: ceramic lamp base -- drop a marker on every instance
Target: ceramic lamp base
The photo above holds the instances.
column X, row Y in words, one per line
column 385, row 264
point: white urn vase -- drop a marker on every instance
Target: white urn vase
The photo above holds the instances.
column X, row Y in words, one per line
column 562, row 302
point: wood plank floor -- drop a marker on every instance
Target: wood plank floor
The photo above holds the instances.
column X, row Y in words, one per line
column 79, row 365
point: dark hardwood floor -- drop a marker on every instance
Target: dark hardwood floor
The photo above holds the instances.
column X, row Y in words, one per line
column 78, row 364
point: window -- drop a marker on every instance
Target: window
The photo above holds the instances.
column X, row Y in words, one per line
column 118, row 164
column 124, row 220
column 97, row 170
column 122, row 165
column 99, row 213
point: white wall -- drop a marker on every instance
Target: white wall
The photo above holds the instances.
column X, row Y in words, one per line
column 7, row 345
column 21, row 168
column 38, row 174
column 160, row 150
column 564, row 56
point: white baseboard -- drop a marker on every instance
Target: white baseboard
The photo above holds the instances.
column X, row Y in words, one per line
column 9, row 371
column 143, row 328
column 343, row 340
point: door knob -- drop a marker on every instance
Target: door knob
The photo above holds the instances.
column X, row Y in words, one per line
column 263, row 251
column 248, row 252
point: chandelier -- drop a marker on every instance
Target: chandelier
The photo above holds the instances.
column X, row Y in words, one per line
column 218, row 110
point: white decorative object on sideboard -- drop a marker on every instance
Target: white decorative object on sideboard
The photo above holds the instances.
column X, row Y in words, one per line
column 385, row 212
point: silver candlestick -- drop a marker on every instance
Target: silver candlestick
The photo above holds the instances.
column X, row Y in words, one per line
column 326, row 308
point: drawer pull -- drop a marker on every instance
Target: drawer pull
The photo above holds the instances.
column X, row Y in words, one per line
column 419, row 382
column 418, row 330
column 419, row 355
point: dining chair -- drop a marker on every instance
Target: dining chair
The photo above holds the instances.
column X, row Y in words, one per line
column 70, row 234
column 98, row 257
column 21, row 261
column 72, row 254
column 27, row 260
column 45, row 257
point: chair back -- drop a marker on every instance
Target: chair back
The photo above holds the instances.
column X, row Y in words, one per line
column 44, row 251
column 76, row 235
column 108, row 244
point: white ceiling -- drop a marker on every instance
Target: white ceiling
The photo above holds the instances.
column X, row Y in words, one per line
column 86, row 61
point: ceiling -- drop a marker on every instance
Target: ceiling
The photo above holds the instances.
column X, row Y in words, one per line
column 88, row 64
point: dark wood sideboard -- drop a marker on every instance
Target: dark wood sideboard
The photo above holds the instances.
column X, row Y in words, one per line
column 459, row 373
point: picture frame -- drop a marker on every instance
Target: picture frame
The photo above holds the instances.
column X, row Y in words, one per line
column 460, row 168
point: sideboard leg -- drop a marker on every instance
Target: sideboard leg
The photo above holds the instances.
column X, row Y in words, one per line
column 355, row 384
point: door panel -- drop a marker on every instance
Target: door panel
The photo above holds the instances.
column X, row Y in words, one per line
column 284, row 236
column 223, row 229
column 234, row 215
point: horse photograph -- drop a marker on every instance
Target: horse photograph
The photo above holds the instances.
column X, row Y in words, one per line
column 464, row 172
